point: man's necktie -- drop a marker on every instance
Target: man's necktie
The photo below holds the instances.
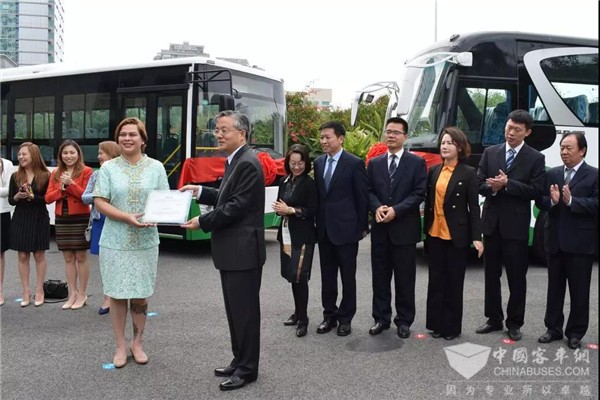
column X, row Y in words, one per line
column 328, row 172
column 393, row 165
column 510, row 158
column 568, row 174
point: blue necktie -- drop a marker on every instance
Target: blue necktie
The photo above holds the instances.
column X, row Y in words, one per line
column 393, row 165
column 328, row 172
column 511, row 157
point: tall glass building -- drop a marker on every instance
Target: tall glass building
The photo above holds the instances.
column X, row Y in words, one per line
column 32, row 31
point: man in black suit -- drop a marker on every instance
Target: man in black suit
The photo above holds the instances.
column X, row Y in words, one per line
column 571, row 200
column 397, row 181
column 341, row 223
column 510, row 176
column 238, row 243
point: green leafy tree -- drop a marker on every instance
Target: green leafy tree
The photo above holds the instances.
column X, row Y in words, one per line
column 358, row 142
column 303, row 121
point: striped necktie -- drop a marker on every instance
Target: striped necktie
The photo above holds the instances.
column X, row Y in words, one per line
column 393, row 164
column 510, row 158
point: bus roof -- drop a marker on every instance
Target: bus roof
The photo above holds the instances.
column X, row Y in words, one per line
column 65, row 69
column 465, row 41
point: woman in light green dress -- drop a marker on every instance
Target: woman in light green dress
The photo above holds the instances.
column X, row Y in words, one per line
column 128, row 248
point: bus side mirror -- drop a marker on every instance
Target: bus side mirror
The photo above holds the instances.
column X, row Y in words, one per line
column 361, row 97
column 225, row 102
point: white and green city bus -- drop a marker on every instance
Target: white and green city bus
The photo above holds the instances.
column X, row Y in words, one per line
column 474, row 80
column 176, row 99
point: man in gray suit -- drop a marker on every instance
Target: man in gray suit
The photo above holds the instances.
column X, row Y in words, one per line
column 238, row 243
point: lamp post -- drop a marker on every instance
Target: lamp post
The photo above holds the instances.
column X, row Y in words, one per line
column 435, row 22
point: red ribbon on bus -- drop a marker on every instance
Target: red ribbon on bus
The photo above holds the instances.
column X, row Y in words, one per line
column 211, row 169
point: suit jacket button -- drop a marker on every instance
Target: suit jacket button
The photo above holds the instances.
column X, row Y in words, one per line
column 457, row 194
column 460, row 183
column 453, row 206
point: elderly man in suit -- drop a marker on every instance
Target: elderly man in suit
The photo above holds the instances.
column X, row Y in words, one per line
column 510, row 176
column 571, row 200
column 238, row 243
column 397, row 181
column 341, row 223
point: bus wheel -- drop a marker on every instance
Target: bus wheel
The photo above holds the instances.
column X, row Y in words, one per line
column 537, row 246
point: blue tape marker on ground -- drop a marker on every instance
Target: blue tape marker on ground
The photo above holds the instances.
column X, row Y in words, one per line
column 108, row 366
column 152, row 314
column 20, row 299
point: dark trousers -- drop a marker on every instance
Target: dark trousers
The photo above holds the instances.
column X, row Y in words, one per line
column 576, row 270
column 388, row 259
column 242, row 305
column 515, row 255
column 332, row 258
column 447, row 265
column 300, row 292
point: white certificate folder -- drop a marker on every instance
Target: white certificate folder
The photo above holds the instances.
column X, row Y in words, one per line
column 167, row 207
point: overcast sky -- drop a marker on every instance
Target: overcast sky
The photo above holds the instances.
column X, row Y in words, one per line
column 335, row 44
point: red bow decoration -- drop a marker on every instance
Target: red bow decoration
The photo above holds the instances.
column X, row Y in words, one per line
column 376, row 149
column 269, row 167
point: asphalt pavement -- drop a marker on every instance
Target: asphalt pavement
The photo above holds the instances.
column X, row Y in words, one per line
column 48, row 353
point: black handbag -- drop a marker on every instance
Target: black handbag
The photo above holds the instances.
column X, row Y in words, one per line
column 56, row 289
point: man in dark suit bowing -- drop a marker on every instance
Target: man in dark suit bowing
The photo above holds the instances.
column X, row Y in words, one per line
column 397, row 181
column 571, row 200
column 341, row 224
column 238, row 243
column 510, row 176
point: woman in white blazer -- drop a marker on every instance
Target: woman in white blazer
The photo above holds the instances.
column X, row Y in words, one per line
column 6, row 170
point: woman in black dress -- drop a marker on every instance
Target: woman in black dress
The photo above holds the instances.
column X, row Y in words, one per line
column 297, row 204
column 30, row 225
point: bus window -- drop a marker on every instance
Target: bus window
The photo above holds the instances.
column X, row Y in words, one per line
column 136, row 107
column 575, row 79
column 34, row 118
column 205, row 124
column 73, row 116
column 3, row 121
column 43, row 117
column 537, row 111
column 482, row 114
column 97, row 115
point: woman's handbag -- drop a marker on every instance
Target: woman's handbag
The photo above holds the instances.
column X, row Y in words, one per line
column 56, row 289
column 88, row 231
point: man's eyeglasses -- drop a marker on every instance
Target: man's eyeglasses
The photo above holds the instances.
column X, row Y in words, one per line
column 224, row 132
column 390, row 132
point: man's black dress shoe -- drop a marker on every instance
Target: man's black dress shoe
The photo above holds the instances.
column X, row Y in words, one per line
column 403, row 331
column 548, row 337
column 301, row 329
column 291, row 321
column 515, row 334
column 489, row 327
column 327, row 325
column 574, row 343
column 235, row 382
column 378, row 328
column 224, row 371
column 344, row 329
column 435, row 335
column 450, row 337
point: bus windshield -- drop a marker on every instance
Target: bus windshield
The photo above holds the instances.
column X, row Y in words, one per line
column 424, row 116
